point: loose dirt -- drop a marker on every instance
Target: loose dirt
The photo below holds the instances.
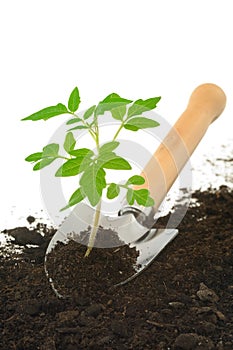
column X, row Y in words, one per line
column 184, row 300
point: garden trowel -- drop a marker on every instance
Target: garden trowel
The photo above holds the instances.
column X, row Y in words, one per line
column 135, row 225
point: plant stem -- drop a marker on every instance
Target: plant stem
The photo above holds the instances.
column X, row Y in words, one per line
column 93, row 230
column 95, row 135
column 118, row 131
column 91, row 132
column 97, row 138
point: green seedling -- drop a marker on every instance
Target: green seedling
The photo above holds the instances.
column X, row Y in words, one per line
column 91, row 165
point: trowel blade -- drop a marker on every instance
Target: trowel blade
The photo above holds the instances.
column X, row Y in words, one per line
column 149, row 248
column 81, row 219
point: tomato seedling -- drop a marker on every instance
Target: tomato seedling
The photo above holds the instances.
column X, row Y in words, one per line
column 91, row 165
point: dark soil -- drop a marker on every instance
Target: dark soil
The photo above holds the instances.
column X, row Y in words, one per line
column 184, row 300
column 106, row 267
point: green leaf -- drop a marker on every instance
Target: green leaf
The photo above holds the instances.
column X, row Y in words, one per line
column 150, row 202
column 76, row 197
column 113, row 191
column 115, row 98
column 140, row 106
column 73, row 120
column 118, row 113
column 117, row 163
column 108, row 147
column 43, row 163
column 136, row 180
column 93, row 182
column 131, row 127
column 51, row 150
column 69, row 143
column 34, row 157
column 141, row 123
column 82, row 152
column 104, row 157
column 110, row 160
column 49, row 154
column 73, row 167
column 89, row 112
column 74, row 100
column 142, row 197
column 79, row 127
column 130, row 196
column 110, row 102
column 48, row 112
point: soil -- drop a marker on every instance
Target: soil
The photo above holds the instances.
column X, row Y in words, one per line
column 184, row 300
column 109, row 266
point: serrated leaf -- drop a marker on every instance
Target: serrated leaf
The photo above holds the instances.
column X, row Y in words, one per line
column 43, row 163
column 140, row 106
column 118, row 113
column 117, row 163
column 73, row 167
column 93, row 182
column 47, row 113
column 108, row 147
column 82, row 152
column 74, row 100
column 130, row 196
column 142, row 197
column 34, row 157
column 136, row 180
column 73, row 121
column 79, row 127
column 69, row 143
column 110, row 102
column 89, row 112
column 141, row 123
column 51, row 150
column 113, row 191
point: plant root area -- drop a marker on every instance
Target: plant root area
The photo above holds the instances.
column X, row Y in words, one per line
column 75, row 276
column 183, row 300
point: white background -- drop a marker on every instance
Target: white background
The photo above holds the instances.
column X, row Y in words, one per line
column 138, row 49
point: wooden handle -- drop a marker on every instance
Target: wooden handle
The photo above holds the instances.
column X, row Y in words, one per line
column 206, row 103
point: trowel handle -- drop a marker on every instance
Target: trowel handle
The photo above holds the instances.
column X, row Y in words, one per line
column 206, row 104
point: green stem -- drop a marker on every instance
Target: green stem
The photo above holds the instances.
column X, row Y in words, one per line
column 93, row 230
column 118, row 131
column 98, row 207
column 91, row 132
column 97, row 138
